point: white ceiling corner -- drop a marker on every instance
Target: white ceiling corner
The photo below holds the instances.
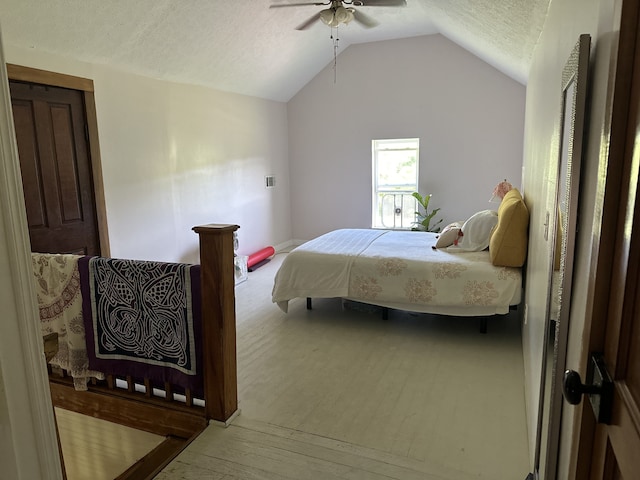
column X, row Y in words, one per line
column 245, row 47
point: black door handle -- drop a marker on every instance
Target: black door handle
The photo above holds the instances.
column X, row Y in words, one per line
column 599, row 388
column 573, row 388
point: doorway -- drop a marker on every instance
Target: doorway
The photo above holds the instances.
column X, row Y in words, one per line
column 57, row 137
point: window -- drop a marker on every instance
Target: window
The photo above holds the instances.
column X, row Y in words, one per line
column 395, row 178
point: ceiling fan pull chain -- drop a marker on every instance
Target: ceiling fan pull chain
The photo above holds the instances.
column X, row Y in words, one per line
column 336, row 40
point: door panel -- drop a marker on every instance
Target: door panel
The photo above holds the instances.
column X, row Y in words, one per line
column 64, row 152
column 56, row 169
column 633, row 361
column 29, row 165
column 611, row 469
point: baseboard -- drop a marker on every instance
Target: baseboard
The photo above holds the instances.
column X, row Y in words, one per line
column 227, row 422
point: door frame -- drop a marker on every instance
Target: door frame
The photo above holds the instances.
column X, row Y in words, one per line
column 85, row 85
column 29, row 447
column 610, row 199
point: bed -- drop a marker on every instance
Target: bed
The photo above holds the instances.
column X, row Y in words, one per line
column 416, row 271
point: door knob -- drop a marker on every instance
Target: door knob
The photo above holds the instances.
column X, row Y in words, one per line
column 599, row 388
column 573, row 388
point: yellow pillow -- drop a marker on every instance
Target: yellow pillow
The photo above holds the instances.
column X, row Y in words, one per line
column 508, row 242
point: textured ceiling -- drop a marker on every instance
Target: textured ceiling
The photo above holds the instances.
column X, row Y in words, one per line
column 245, row 47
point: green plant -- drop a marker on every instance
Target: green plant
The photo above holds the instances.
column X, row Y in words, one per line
column 424, row 217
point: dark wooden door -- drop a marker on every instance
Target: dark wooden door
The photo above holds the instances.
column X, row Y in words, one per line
column 56, row 168
column 613, row 450
column 616, row 447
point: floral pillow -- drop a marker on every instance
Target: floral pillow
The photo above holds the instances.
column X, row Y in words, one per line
column 449, row 235
column 476, row 231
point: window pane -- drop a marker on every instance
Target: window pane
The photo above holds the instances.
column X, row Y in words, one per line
column 396, row 168
column 396, row 210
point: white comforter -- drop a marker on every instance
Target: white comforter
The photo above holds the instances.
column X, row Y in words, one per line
column 397, row 269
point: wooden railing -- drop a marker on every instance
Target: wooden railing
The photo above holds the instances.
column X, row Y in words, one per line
column 167, row 410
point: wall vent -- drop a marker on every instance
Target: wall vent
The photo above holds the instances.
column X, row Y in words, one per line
column 270, row 181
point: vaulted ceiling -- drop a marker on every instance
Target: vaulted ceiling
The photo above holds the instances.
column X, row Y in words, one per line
column 243, row 46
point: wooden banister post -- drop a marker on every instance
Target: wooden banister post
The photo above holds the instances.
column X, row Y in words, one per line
column 218, row 320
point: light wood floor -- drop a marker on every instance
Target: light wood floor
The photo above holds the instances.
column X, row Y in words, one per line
column 99, row 450
column 337, row 392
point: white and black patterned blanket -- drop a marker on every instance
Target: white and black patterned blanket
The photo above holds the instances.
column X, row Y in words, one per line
column 142, row 319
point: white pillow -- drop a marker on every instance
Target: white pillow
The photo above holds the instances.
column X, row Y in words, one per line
column 476, row 231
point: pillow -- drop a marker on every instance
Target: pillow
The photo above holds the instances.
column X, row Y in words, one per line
column 476, row 231
column 449, row 235
column 508, row 244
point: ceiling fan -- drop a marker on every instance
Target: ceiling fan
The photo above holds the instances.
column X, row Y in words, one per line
column 338, row 13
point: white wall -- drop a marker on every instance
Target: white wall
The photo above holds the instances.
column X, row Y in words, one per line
column 469, row 118
column 175, row 156
column 565, row 22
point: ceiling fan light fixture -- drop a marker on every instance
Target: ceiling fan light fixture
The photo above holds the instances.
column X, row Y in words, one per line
column 328, row 17
column 344, row 15
column 336, row 15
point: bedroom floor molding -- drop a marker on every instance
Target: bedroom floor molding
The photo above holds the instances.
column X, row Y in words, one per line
column 340, row 393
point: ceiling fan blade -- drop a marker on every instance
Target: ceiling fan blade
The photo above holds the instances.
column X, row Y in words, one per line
column 280, row 5
column 364, row 20
column 309, row 22
column 381, row 3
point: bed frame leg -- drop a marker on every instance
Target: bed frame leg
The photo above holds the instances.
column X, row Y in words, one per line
column 385, row 313
column 308, row 303
column 483, row 325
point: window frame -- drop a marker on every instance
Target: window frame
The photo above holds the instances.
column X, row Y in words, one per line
column 402, row 193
